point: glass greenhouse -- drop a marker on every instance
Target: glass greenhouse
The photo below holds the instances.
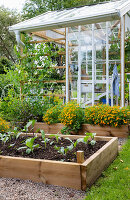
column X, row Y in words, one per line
column 93, row 38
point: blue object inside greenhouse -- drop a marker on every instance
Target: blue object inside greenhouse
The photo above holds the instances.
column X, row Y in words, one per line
column 103, row 100
column 115, row 81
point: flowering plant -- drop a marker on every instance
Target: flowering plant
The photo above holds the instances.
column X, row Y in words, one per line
column 52, row 114
column 105, row 115
column 72, row 116
column 4, row 126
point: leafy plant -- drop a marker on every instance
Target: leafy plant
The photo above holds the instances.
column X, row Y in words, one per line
column 63, row 150
column 5, row 137
column 16, row 133
column 45, row 140
column 30, row 146
column 57, row 137
column 90, row 139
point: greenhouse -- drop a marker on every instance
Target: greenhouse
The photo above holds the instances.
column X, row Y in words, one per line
column 92, row 61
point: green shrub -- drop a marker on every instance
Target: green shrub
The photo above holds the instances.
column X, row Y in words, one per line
column 5, row 64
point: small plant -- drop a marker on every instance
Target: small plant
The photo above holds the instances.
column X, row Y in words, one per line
column 91, row 140
column 4, row 138
column 45, row 140
column 63, row 150
column 31, row 124
column 16, row 133
column 30, row 146
column 57, row 137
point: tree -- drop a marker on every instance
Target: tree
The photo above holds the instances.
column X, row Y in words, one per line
column 7, row 39
column 35, row 7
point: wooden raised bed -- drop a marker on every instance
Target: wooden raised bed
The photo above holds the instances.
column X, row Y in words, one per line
column 72, row 175
column 122, row 131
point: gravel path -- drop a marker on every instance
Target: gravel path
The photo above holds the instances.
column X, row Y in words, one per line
column 15, row 189
column 121, row 141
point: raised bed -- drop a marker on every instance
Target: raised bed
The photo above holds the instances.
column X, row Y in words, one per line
column 72, row 175
column 122, row 131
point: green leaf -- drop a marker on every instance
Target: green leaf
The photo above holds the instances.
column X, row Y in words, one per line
column 62, row 150
column 18, row 134
column 93, row 142
column 20, row 148
column 28, row 124
column 28, row 151
column 36, row 145
column 68, row 139
column 43, row 134
column 70, row 147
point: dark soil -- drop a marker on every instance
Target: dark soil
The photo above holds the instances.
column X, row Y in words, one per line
column 48, row 153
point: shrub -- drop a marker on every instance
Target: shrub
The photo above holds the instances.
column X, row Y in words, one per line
column 52, row 114
column 105, row 115
column 17, row 110
column 5, row 64
column 72, row 116
column 4, row 126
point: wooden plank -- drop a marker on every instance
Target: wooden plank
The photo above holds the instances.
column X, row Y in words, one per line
column 60, row 67
column 52, row 128
column 48, row 40
column 46, row 81
column 43, row 35
column 80, row 156
column 49, row 172
column 106, row 130
column 122, row 131
column 61, row 173
column 56, row 67
column 58, row 31
column 55, row 95
column 14, row 167
column 98, row 162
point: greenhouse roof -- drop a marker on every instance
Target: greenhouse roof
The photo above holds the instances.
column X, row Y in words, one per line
column 75, row 16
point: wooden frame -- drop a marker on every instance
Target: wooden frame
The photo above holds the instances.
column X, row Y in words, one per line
column 122, row 131
column 72, row 175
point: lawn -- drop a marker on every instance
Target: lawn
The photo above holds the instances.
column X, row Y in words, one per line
column 115, row 181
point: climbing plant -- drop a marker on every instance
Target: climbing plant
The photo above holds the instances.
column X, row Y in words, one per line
column 37, row 61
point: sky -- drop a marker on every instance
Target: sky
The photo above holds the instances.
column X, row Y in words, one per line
column 13, row 4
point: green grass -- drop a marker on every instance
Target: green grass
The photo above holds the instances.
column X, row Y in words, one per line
column 115, row 181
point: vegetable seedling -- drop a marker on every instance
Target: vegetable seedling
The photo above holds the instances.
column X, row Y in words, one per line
column 29, row 145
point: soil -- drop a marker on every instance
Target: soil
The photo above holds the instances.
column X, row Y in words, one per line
column 49, row 153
